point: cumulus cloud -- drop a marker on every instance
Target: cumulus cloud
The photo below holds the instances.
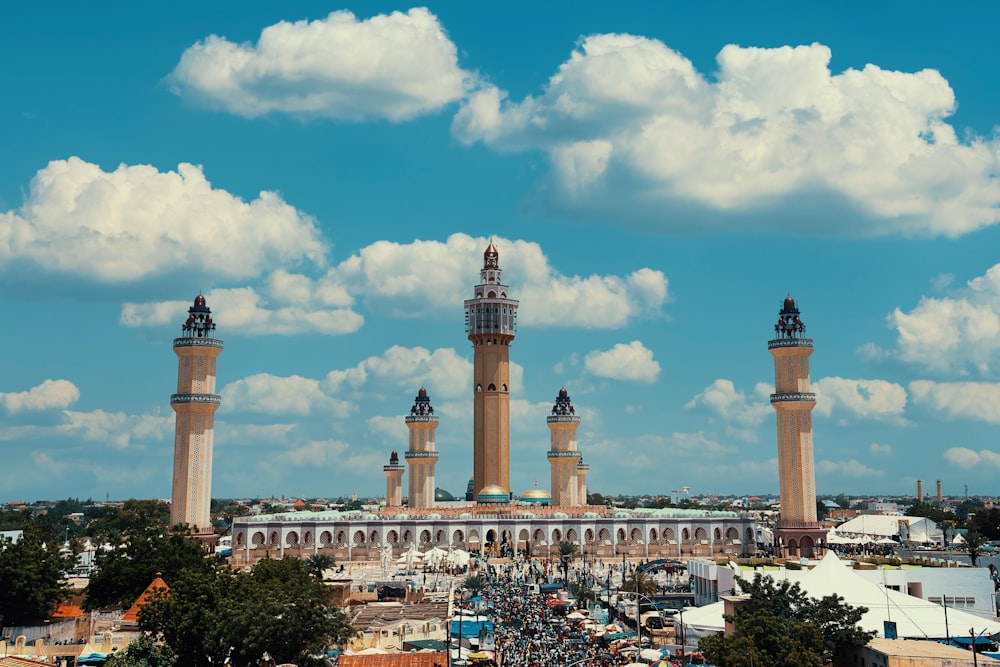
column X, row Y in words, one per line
column 287, row 304
column 119, row 429
column 391, row 66
column 270, row 394
column 631, row 362
column 724, row 400
column 136, row 222
column 416, row 280
column 442, row 372
column 627, row 119
column 879, row 449
column 869, row 399
column 963, row 457
column 976, row 401
column 851, row 468
column 47, row 395
column 958, row 333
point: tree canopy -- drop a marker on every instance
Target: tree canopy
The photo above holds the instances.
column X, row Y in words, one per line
column 31, row 580
column 780, row 626
column 278, row 607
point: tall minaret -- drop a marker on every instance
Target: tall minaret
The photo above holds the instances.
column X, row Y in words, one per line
column 421, row 457
column 798, row 533
column 491, row 324
column 563, row 454
column 195, row 404
column 393, row 481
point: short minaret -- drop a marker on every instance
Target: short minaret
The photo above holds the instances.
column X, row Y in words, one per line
column 581, row 481
column 563, row 454
column 195, row 404
column 393, row 481
column 940, row 494
column 798, row 532
column 920, row 491
column 491, row 324
column 421, row 457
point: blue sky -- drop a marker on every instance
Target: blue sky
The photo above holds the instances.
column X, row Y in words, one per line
column 657, row 178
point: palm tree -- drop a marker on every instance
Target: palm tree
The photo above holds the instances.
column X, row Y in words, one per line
column 974, row 542
column 583, row 593
column 473, row 583
column 639, row 582
column 319, row 562
column 568, row 550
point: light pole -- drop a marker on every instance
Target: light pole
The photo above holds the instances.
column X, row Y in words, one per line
column 975, row 638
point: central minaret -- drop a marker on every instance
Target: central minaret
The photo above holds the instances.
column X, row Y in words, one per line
column 491, row 324
column 421, row 457
column 195, row 404
column 564, row 457
column 798, row 533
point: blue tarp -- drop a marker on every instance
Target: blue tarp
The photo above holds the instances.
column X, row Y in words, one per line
column 471, row 628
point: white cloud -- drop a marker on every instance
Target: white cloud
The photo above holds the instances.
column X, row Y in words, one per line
column 959, row 400
column 958, row 333
column 442, row 372
column 49, row 394
column 292, row 395
column 393, row 66
column 119, row 429
column 631, row 362
column 136, row 222
column 722, row 398
column 851, row 468
column 290, row 304
column 413, row 279
column 879, row 449
column 963, row 457
column 630, row 126
column 418, row 279
column 870, row 399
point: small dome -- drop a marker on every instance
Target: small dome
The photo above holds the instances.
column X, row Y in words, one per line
column 402, row 517
column 434, row 516
column 591, row 515
column 789, row 303
column 422, row 393
column 622, row 515
column 560, row 515
column 464, row 515
column 563, row 393
column 494, row 494
column 537, row 497
column 528, row 515
column 199, row 300
column 442, row 496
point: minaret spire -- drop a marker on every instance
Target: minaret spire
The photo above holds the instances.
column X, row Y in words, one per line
column 563, row 455
column 421, row 457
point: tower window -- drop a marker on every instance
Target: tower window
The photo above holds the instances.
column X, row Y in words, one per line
column 493, row 387
column 503, row 387
column 479, row 387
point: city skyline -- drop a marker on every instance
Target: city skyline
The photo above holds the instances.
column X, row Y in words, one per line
column 656, row 180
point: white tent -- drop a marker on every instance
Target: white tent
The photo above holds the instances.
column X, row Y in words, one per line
column 435, row 555
column 914, row 618
column 919, row 529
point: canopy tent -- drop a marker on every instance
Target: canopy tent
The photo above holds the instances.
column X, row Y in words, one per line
column 918, row 528
column 914, row 618
column 435, row 556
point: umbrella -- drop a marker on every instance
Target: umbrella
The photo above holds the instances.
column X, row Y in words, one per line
column 92, row 659
column 613, row 627
column 650, row 654
column 576, row 614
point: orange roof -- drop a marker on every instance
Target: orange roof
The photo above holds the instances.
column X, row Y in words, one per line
column 425, row 659
column 132, row 615
column 14, row 661
column 67, row 610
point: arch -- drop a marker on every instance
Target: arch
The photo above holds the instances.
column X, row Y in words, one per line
column 669, row 535
column 717, row 535
column 749, row 539
column 806, row 546
column 439, row 537
column 732, row 533
column 538, row 537
column 636, row 536
column 492, row 387
column 503, row 387
column 392, row 537
column 491, row 536
column 341, row 538
column 458, row 538
column 479, row 387
column 325, row 538
column 307, row 539
column 359, row 538
column 700, row 534
column 604, row 537
column 274, row 539
column 503, row 295
column 239, row 539
column 292, row 539
column 425, row 537
column 556, row 536
column 491, row 294
column 620, row 535
column 474, row 536
column 589, row 536
column 572, row 535
column 257, row 540
column 375, row 539
column 792, row 547
column 407, row 537
column 686, row 535
column 523, row 536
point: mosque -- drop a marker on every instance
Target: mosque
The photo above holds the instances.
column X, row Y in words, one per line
column 491, row 520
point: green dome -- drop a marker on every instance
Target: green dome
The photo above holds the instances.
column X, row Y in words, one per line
column 493, row 494
column 442, row 496
column 536, row 497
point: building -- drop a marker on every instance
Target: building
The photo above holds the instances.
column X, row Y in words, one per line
column 493, row 523
column 195, row 404
column 798, row 532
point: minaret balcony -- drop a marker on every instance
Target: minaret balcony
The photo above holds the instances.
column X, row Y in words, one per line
column 397, row 467
column 564, row 419
column 776, row 343
column 795, row 397
column 203, row 399
column 420, row 455
column 561, row 454
column 192, row 341
column 427, row 419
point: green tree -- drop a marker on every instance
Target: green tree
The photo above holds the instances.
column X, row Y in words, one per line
column 279, row 608
column 31, row 581
column 974, row 542
column 779, row 626
column 932, row 512
column 144, row 651
column 473, row 583
column 583, row 593
column 639, row 582
column 125, row 571
column 986, row 522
